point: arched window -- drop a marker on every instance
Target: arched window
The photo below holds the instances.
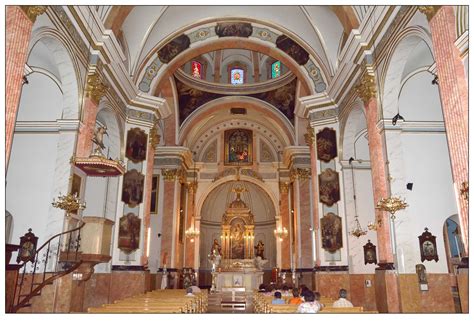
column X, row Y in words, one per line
column 237, row 73
column 196, row 69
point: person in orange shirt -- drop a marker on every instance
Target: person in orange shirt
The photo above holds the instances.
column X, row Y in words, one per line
column 296, row 299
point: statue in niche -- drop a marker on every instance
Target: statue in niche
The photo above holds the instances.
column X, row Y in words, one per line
column 237, row 238
column 215, row 255
column 421, row 273
column 259, row 249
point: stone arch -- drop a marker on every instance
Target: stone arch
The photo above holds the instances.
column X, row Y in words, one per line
column 351, row 129
column 203, row 196
column 392, row 71
column 216, row 105
column 68, row 67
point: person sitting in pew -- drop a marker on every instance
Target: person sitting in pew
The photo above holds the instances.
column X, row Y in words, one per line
column 296, row 299
column 309, row 305
column 342, row 301
column 189, row 292
column 277, row 300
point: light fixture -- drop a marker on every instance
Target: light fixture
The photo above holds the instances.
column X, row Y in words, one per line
column 281, row 233
column 391, row 205
column 373, row 225
column 192, row 233
column 396, row 118
column 69, row 203
column 357, row 231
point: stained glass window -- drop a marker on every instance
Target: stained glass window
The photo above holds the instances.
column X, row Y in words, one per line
column 237, row 76
column 276, row 69
column 196, row 70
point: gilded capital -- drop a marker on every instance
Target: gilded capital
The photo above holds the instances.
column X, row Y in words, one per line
column 95, row 89
column 300, row 173
column 366, row 89
column 309, row 136
column 170, row 174
column 33, row 11
column 284, row 186
column 429, row 11
column 154, row 137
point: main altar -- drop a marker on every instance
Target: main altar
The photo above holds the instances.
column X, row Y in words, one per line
column 235, row 266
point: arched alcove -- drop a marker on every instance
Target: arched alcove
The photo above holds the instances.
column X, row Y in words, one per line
column 216, row 204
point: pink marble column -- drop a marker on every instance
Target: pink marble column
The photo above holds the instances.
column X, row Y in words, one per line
column 285, row 222
column 86, row 131
column 146, row 211
column 168, row 213
column 17, row 37
column 189, row 260
column 454, row 98
column 305, row 253
column 379, row 181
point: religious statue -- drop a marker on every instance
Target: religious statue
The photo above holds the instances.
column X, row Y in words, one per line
column 259, row 249
column 98, row 138
column 215, row 256
column 164, row 278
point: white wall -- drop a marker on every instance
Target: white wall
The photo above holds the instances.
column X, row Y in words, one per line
column 29, row 190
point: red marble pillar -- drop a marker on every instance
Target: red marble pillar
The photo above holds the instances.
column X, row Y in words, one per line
column 146, row 211
column 168, row 217
column 285, row 222
column 17, row 37
column 86, row 131
column 190, row 243
column 379, row 180
column 454, row 99
column 306, row 251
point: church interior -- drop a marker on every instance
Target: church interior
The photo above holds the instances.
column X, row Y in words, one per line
column 240, row 150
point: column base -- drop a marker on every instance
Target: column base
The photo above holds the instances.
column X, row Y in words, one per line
column 387, row 290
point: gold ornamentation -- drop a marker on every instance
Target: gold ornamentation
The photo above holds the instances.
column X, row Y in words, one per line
column 69, row 203
column 358, row 231
column 170, row 174
column 300, row 173
column 374, row 225
column 366, row 89
column 95, row 89
column 33, row 11
column 192, row 186
column 281, row 233
column 465, row 190
column 284, row 186
column 429, row 11
column 391, row 205
column 309, row 137
column 154, row 137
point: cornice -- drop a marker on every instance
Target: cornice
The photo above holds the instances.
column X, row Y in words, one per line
column 245, row 89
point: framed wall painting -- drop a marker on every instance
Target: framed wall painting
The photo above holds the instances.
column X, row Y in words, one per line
column 132, row 189
column 331, row 232
column 329, row 187
column 136, row 146
column 238, row 144
column 326, row 144
column 155, row 184
column 428, row 250
column 129, row 233
column 370, row 253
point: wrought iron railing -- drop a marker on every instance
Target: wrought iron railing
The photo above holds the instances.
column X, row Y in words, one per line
column 61, row 253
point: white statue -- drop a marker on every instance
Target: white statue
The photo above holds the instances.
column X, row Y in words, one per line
column 214, row 258
column 164, row 278
column 98, row 138
column 259, row 262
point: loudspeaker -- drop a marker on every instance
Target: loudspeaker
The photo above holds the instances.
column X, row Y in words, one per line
column 410, row 186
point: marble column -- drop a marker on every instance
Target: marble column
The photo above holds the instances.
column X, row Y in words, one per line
column 18, row 26
column 170, row 194
column 95, row 89
column 285, row 222
column 379, row 170
column 453, row 91
column 310, row 140
column 304, row 242
column 189, row 244
column 387, row 286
